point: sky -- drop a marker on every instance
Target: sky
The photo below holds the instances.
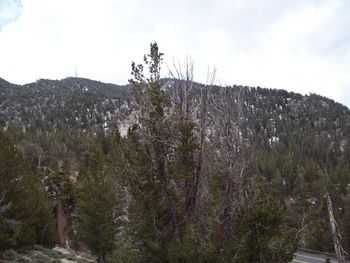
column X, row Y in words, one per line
column 299, row 45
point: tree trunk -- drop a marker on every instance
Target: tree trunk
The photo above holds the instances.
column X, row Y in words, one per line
column 61, row 224
column 164, row 169
column 199, row 169
column 339, row 251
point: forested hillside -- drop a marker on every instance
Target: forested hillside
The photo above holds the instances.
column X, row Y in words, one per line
column 170, row 170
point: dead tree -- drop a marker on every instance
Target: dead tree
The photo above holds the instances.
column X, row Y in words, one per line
column 230, row 155
column 201, row 183
column 336, row 235
column 339, row 251
column 192, row 110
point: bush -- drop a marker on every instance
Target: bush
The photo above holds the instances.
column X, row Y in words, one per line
column 11, row 254
column 27, row 236
column 49, row 237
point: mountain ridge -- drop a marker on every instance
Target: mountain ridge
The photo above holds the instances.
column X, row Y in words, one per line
column 74, row 91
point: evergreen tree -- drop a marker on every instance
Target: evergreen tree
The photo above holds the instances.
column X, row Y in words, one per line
column 98, row 209
column 25, row 209
column 155, row 131
column 260, row 234
column 60, row 185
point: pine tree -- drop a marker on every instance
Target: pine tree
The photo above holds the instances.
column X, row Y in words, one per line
column 98, row 209
column 62, row 192
column 25, row 209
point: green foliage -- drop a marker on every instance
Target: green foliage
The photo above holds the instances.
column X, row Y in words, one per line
column 260, row 233
column 197, row 246
column 98, row 207
column 39, row 254
column 293, row 147
column 25, row 207
column 11, row 255
column 27, row 236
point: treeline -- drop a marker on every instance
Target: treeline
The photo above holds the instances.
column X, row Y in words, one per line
column 205, row 174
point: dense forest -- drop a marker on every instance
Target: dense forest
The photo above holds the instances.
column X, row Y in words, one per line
column 170, row 170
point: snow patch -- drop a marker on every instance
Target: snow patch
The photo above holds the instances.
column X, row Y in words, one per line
column 62, row 250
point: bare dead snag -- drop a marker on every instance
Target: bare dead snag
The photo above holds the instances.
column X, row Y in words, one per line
column 339, row 251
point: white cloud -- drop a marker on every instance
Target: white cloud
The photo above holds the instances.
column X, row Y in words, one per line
column 296, row 45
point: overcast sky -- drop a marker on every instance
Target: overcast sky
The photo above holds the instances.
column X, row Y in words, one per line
column 298, row 45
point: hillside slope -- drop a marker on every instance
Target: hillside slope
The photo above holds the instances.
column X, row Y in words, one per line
column 298, row 142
